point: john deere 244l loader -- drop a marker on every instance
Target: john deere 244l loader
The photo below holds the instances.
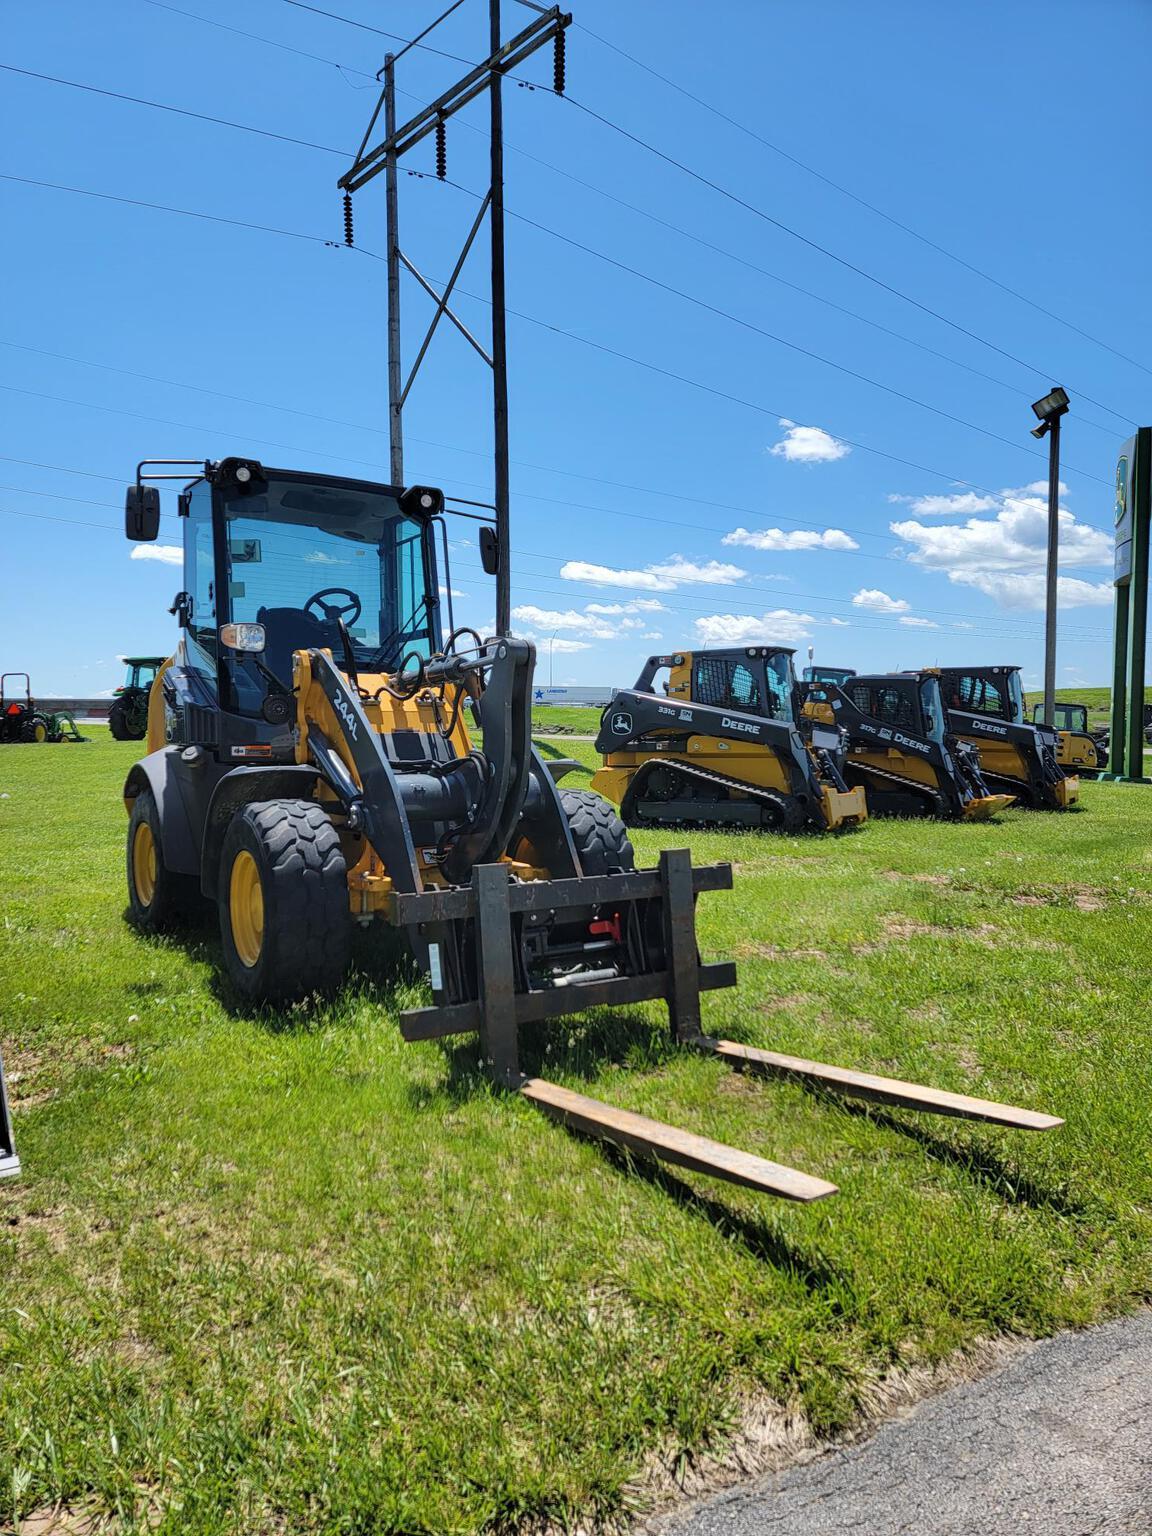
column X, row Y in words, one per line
column 721, row 745
column 310, row 766
column 900, row 748
column 986, row 707
column 1078, row 749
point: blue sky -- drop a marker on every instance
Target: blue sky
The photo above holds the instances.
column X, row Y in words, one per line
column 701, row 480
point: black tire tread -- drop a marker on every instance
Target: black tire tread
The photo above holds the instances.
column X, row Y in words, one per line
column 308, row 930
column 602, row 842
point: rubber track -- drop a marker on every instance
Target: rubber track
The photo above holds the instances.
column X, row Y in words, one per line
column 932, row 796
column 790, row 817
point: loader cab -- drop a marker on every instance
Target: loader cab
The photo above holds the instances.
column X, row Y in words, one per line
column 291, row 561
column 907, row 702
column 141, row 671
column 994, row 691
column 1065, row 717
column 756, row 680
column 838, row 676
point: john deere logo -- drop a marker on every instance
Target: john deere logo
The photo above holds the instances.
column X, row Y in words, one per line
column 1121, row 488
column 622, row 723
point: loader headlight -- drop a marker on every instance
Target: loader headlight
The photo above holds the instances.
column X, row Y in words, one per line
column 243, row 637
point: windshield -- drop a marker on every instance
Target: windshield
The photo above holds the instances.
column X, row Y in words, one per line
column 932, row 706
column 1015, row 698
column 781, row 682
column 304, row 555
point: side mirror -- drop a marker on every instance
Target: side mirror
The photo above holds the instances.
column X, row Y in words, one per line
column 489, row 550
column 142, row 513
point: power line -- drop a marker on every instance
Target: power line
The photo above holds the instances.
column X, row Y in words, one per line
column 188, row 213
column 862, row 201
column 160, row 106
column 814, row 244
column 655, row 218
column 560, row 331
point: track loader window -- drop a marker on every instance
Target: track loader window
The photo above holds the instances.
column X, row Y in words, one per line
column 726, row 684
column 980, row 695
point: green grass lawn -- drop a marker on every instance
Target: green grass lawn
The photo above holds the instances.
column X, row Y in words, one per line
column 284, row 1273
column 566, row 717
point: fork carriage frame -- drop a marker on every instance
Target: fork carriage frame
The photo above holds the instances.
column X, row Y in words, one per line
column 497, row 908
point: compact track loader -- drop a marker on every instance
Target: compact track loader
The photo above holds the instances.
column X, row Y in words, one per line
column 721, row 745
column 900, row 750
column 9, row 1162
column 310, row 766
column 986, row 708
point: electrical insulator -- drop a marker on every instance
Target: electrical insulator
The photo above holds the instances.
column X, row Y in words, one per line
column 348, row 219
column 558, row 62
column 441, row 149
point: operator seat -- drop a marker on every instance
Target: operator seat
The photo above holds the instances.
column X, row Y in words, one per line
column 292, row 629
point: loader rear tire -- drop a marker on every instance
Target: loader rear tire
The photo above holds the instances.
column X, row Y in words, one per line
column 602, row 842
column 121, row 723
column 157, row 897
column 283, row 900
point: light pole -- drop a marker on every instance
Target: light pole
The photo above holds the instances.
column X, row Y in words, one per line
column 1049, row 410
column 552, row 658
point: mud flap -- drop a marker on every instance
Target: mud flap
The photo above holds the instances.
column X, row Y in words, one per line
column 9, row 1162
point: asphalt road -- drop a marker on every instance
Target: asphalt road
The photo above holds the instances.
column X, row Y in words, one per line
column 1058, row 1440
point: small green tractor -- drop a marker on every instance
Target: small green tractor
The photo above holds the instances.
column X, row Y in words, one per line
column 128, row 716
column 21, row 718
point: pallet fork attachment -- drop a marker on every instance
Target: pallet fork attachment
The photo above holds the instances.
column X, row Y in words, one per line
column 9, row 1162
column 493, row 904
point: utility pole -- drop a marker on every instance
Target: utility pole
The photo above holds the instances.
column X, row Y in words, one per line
column 547, row 26
column 1049, row 410
column 392, row 210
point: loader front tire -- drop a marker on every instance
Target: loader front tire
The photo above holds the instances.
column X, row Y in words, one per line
column 601, row 838
column 283, row 900
column 157, row 897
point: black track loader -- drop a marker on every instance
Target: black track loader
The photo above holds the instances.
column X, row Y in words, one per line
column 311, row 766
column 986, row 708
column 900, row 749
column 721, row 745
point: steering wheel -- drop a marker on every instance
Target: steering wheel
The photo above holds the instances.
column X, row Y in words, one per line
column 349, row 611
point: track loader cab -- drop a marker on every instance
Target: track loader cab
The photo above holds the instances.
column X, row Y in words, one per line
column 837, row 676
column 986, row 708
column 899, row 747
column 1078, row 749
column 720, row 745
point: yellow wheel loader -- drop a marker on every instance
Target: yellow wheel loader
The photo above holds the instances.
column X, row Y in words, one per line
column 899, row 747
column 986, row 708
column 311, row 766
column 1078, row 749
column 720, row 745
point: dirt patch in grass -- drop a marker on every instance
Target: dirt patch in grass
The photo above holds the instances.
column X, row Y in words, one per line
column 918, row 879
column 1084, row 898
column 779, row 952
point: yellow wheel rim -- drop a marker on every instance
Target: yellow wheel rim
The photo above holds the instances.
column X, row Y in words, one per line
column 144, row 863
column 39, row 732
column 246, row 908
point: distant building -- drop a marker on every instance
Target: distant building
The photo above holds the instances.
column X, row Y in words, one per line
column 594, row 698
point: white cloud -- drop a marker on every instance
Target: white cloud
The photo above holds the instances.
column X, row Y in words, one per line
column 1016, row 589
column 798, row 538
column 780, row 627
column 318, row 557
column 914, row 623
column 167, row 554
column 879, row 602
column 637, row 605
column 663, row 577
column 651, row 634
column 547, row 619
column 566, row 646
column 839, row 623
column 451, row 592
column 808, row 445
column 1014, row 540
column 960, row 505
